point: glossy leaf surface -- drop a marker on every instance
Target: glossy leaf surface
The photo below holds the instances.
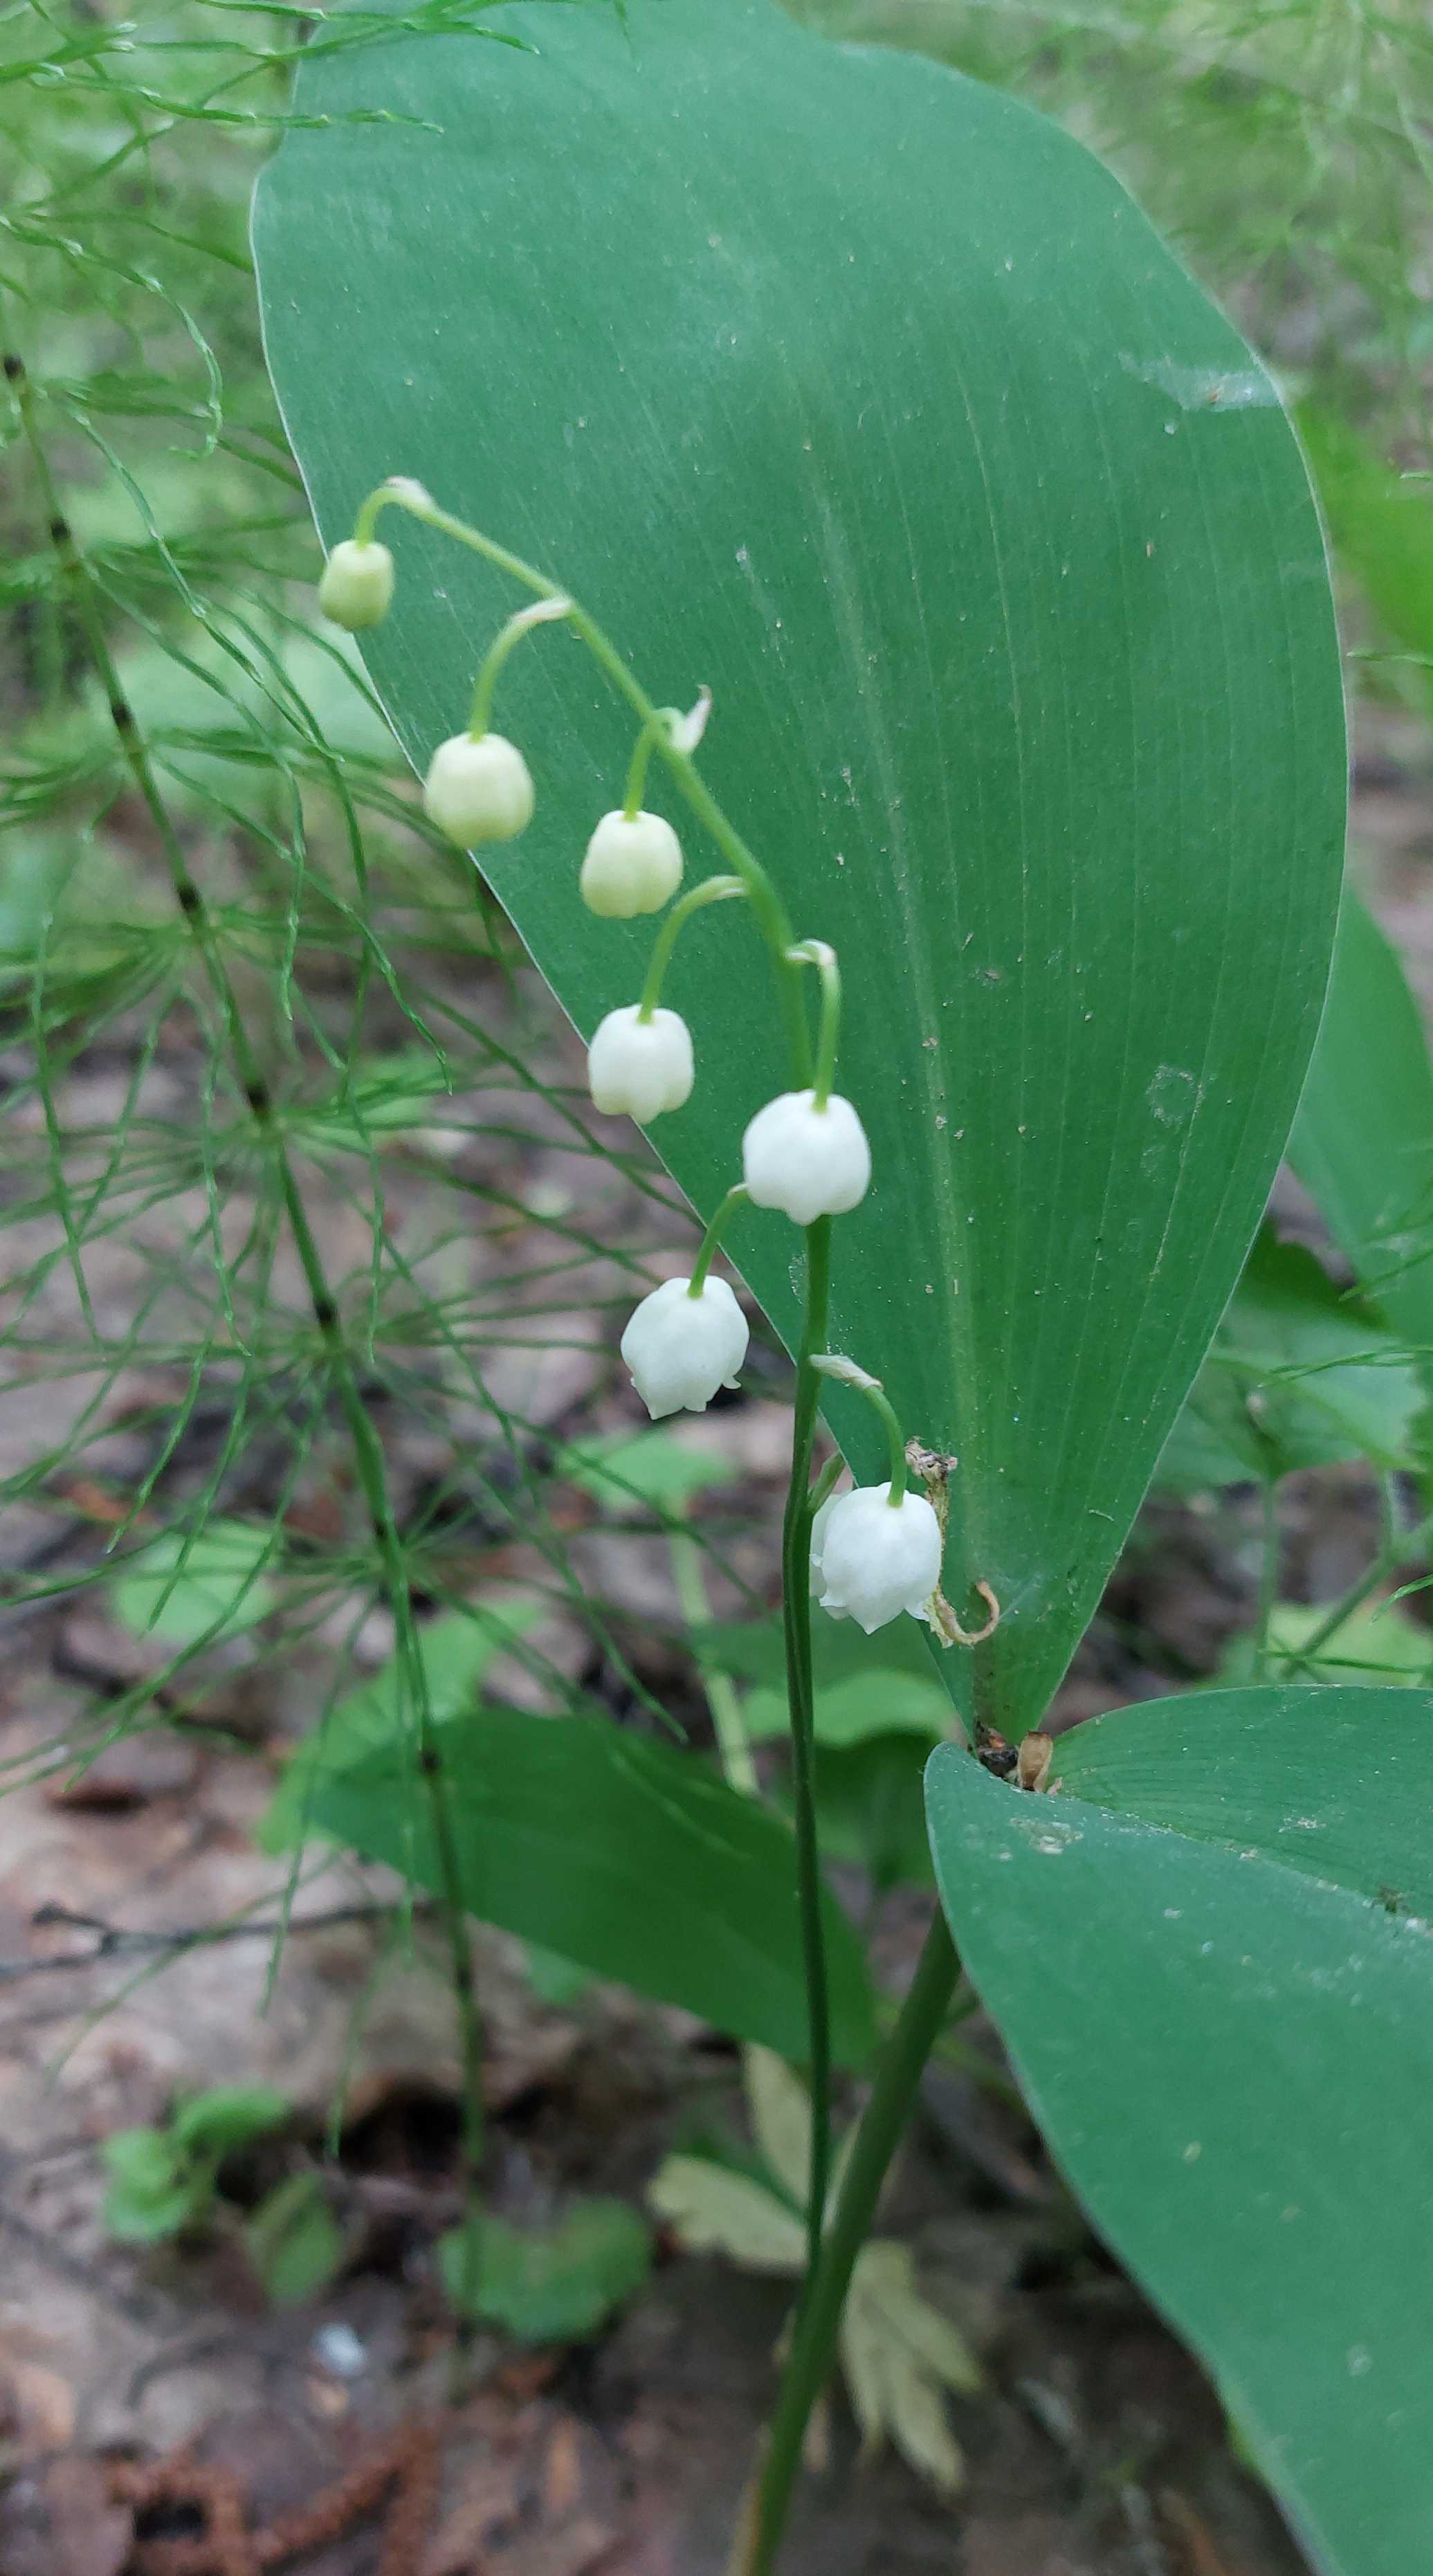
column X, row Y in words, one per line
column 866, row 396
column 1230, row 2055
column 1336, row 1782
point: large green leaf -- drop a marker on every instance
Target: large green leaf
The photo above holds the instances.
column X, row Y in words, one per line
column 1363, row 1142
column 1231, row 2056
column 629, row 1857
column 1335, row 1782
column 867, row 396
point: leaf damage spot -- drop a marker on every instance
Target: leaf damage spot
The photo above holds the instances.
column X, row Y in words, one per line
column 1204, row 388
column 1172, row 1095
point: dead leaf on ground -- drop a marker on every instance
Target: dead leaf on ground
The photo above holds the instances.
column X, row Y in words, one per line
column 64, row 2522
column 39, row 2404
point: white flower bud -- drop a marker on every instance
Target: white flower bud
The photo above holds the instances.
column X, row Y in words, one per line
column 633, row 864
column 808, row 1162
column 681, row 1348
column 876, row 1559
column 478, row 790
column 357, row 584
column 640, row 1066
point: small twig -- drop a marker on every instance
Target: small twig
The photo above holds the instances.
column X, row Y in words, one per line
column 1268, row 1579
column 114, row 1942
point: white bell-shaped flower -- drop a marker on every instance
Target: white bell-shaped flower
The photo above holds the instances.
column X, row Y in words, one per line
column 633, row 864
column 640, row 1067
column 808, row 1162
column 681, row 1348
column 357, row 584
column 876, row 1558
column 478, row 789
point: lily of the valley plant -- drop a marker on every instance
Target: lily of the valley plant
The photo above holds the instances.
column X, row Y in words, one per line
column 872, row 1554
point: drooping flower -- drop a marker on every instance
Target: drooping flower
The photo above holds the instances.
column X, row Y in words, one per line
column 681, row 1348
column 640, row 1067
column 876, row 1558
column 478, row 788
column 809, row 1161
column 633, row 864
column 356, row 587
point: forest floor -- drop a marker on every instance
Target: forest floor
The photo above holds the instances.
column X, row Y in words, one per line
column 157, row 2417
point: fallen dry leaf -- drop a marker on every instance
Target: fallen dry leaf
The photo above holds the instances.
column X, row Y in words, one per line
column 41, row 2404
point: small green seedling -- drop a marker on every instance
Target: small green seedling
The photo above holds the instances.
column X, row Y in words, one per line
column 165, row 2182
column 552, row 2284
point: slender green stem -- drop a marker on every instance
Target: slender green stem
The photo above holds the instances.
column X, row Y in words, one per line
column 766, row 901
column 796, row 1624
column 736, row 1197
column 814, row 2341
column 1395, row 1551
column 1268, row 1576
column 788, row 959
column 367, row 515
column 542, row 612
column 722, row 1695
column 833, row 1364
column 368, row 1452
column 711, row 890
column 816, row 952
column 647, row 734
